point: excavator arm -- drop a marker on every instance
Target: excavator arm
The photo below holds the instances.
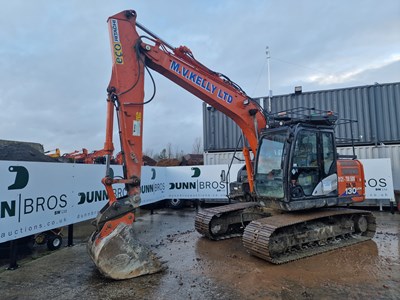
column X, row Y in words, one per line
column 217, row 90
column 132, row 55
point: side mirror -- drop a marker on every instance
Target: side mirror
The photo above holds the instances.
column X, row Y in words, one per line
column 223, row 176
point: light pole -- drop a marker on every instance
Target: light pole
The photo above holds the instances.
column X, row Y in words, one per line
column 269, row 81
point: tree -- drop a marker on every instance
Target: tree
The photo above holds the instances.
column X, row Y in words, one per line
column 178, row 153
column 197, row 146
column 149, row 152
column 169, row 151
column 163, row 154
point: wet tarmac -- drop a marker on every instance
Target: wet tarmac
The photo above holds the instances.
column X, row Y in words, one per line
column 202, row 269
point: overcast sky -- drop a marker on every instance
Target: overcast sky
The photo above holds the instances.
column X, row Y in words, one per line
column 55, row 61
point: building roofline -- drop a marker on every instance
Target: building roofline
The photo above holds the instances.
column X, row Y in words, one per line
column 336, row 89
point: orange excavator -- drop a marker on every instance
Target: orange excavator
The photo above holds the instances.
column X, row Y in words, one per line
column 76, row 156
column 84, row 157
column 95, row 157
column 295, row 176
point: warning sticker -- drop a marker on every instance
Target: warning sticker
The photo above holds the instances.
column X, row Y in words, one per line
column 136, row 128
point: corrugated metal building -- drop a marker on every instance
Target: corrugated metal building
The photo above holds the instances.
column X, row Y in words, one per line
column 375, row 107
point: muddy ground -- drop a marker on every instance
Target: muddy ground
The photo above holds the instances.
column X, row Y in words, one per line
column 203, row 269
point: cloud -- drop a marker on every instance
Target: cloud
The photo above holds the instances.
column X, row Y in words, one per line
column 352, row 75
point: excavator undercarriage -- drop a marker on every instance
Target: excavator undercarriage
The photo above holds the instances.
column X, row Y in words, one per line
column 283, row 237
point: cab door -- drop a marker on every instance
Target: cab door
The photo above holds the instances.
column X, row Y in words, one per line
column 312, row 167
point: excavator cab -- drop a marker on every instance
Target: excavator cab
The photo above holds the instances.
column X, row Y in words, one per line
column 297, row 166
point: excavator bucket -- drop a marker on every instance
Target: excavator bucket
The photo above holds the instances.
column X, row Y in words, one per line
column 115, row 250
